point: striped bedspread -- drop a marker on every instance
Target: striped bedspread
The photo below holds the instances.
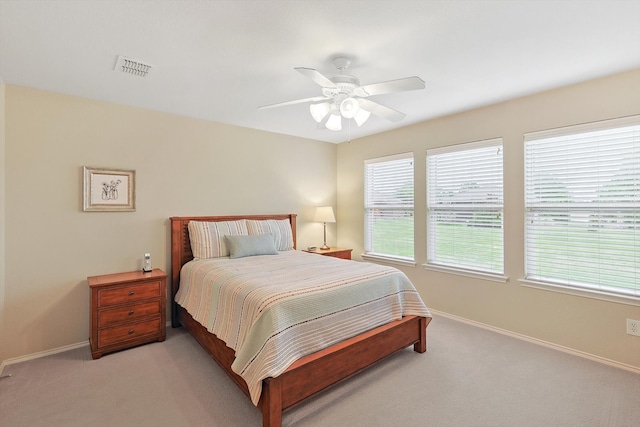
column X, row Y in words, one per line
column 274, row 309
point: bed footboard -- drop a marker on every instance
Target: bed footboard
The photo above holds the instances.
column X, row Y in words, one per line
column 324, row 368
column 320, row 370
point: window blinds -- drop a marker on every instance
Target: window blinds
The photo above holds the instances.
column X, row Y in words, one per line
column 389, row 206
column 582, row 199
column 465, row 206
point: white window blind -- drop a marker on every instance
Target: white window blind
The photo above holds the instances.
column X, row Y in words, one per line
column 388, row 210
column 582, row 199
column 465, row 206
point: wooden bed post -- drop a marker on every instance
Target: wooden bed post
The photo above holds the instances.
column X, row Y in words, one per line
column 271, row 402
column 421, row 346
column 178, row 229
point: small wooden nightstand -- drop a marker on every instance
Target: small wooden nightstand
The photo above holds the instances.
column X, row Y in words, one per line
column 127, row 309
column 334, row 252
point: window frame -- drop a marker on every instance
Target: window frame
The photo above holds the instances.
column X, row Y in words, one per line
column 575, row 208
column 433, row 208
column 369, row 254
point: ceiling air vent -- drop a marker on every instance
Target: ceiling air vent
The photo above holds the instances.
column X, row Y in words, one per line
column 133, row 67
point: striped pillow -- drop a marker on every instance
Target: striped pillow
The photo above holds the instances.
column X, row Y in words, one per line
column 207, row 238
column 280, row 228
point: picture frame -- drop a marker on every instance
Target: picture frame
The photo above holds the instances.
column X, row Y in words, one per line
column 109, row 190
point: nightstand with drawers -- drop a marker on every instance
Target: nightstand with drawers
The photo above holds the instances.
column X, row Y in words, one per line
column 127, row 309
column 333, row 252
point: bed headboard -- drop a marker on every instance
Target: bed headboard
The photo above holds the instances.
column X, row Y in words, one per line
column 181, row 246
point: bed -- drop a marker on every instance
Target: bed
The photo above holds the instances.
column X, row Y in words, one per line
column 309, row 374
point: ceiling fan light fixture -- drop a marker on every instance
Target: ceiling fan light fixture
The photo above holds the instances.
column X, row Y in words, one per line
column 361, row 116
column 319, row 111
column 342, row 96
column 349, row 108
column 334, row 122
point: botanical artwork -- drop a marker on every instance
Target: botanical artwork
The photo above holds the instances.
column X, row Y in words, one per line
column 108, row 190
column 107, row 186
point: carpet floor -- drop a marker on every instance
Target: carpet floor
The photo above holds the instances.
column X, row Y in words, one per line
column 469, row 377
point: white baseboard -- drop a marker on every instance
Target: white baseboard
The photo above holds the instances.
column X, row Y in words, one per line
column 543, row 343
column 436, row 312
column 42, row 354
column 49, row 352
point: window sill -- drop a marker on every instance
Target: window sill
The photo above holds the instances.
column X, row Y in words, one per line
column 388, row 260
column 586, row 293
column 467, row 273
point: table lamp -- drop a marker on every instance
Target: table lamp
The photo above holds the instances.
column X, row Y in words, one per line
column 324, row 214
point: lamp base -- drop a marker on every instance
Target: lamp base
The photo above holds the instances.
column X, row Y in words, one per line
column 324, row 247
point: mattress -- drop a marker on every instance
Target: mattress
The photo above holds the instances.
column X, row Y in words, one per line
column 274, row 309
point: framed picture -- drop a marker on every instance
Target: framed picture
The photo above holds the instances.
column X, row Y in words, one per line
column 109, row 190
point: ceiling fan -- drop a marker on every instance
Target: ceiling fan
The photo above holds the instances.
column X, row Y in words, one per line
column 342, row 96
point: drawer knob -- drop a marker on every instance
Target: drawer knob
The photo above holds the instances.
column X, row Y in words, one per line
column 130, row 331
column 131, row 293
column 130, row 312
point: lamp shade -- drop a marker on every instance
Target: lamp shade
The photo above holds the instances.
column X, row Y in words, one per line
column 361, row 116
column 334, row 122
column 319, row 111
column 324, row 214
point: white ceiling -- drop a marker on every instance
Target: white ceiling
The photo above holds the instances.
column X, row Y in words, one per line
column 220, row 59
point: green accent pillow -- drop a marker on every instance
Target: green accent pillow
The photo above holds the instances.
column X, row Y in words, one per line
column 243, row 246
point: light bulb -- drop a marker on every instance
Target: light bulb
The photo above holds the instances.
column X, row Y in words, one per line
column 349, row 107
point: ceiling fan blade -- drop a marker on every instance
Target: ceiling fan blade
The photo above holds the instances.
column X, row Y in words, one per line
column 316, row 76
column 297, row 101
column 382, row 111
column 400, row 85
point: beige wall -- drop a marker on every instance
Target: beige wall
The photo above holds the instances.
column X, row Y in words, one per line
column 189, row 167
column 583, row 324
column 2, row 221
column 183, row 167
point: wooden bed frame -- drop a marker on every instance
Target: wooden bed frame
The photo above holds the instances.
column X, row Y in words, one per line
column 310, row 374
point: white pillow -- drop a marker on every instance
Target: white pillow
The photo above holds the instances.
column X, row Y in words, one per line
column 279, row 228
column 207, row 238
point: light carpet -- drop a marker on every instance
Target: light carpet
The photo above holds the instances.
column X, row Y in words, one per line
column 469, row 377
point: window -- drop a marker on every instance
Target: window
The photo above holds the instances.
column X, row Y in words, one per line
column 388, row 210
column 582, row 199
column 465, row 207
